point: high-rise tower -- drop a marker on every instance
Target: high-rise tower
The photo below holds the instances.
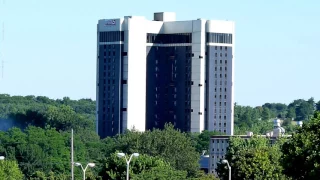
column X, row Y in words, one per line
column 153, row 72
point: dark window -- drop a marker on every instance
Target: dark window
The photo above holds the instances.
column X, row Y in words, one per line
column 111, row 36
column 122, row 35
column 169, row 38
column 124, row 82
column 219, row 38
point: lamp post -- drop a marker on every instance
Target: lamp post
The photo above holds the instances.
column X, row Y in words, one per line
column 84, row 170
column 229, row 167
column 120, row 155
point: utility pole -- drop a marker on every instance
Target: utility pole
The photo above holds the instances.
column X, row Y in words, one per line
column 72, row 162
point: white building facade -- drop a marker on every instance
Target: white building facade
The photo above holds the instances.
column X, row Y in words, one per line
column 164, row 71
column 219, row 144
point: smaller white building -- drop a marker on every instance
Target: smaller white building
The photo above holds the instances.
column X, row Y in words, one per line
column 219, row 144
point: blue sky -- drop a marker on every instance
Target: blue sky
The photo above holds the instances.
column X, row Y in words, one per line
column 49, row 47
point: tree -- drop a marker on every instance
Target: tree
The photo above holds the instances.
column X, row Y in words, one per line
column 252, row 158
column 304, row 111
column 318, row 106
column 169, row 144
column 161, row 173
column 276, row 109
column 142, row 167
column 201, row 141
column 300, row 155
column 37, row 149
column 10, row 170
column 300, row 109
column 266, row 114
column 291, row 113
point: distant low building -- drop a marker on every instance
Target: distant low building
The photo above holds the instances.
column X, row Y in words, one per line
column 219, row 143
column 204, row 163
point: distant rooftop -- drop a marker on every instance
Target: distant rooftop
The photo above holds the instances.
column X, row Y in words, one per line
column 164, row 16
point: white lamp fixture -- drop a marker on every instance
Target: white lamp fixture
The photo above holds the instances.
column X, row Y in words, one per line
column 85, row 169
column 120, row 155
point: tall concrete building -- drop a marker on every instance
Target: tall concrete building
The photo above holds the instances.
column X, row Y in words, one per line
column 153, row 72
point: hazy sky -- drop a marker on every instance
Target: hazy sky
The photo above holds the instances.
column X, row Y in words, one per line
column 49, row 46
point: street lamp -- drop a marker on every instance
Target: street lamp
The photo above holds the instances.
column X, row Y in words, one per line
column 84, row 170
column 2, row 157
column 229, row 167
column 121, row 155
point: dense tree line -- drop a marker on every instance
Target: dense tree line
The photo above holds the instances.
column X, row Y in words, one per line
column 38, row 147
column 259, row 119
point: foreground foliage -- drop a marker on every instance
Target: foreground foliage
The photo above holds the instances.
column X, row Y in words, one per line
column 10, row 170
column 301, row 158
